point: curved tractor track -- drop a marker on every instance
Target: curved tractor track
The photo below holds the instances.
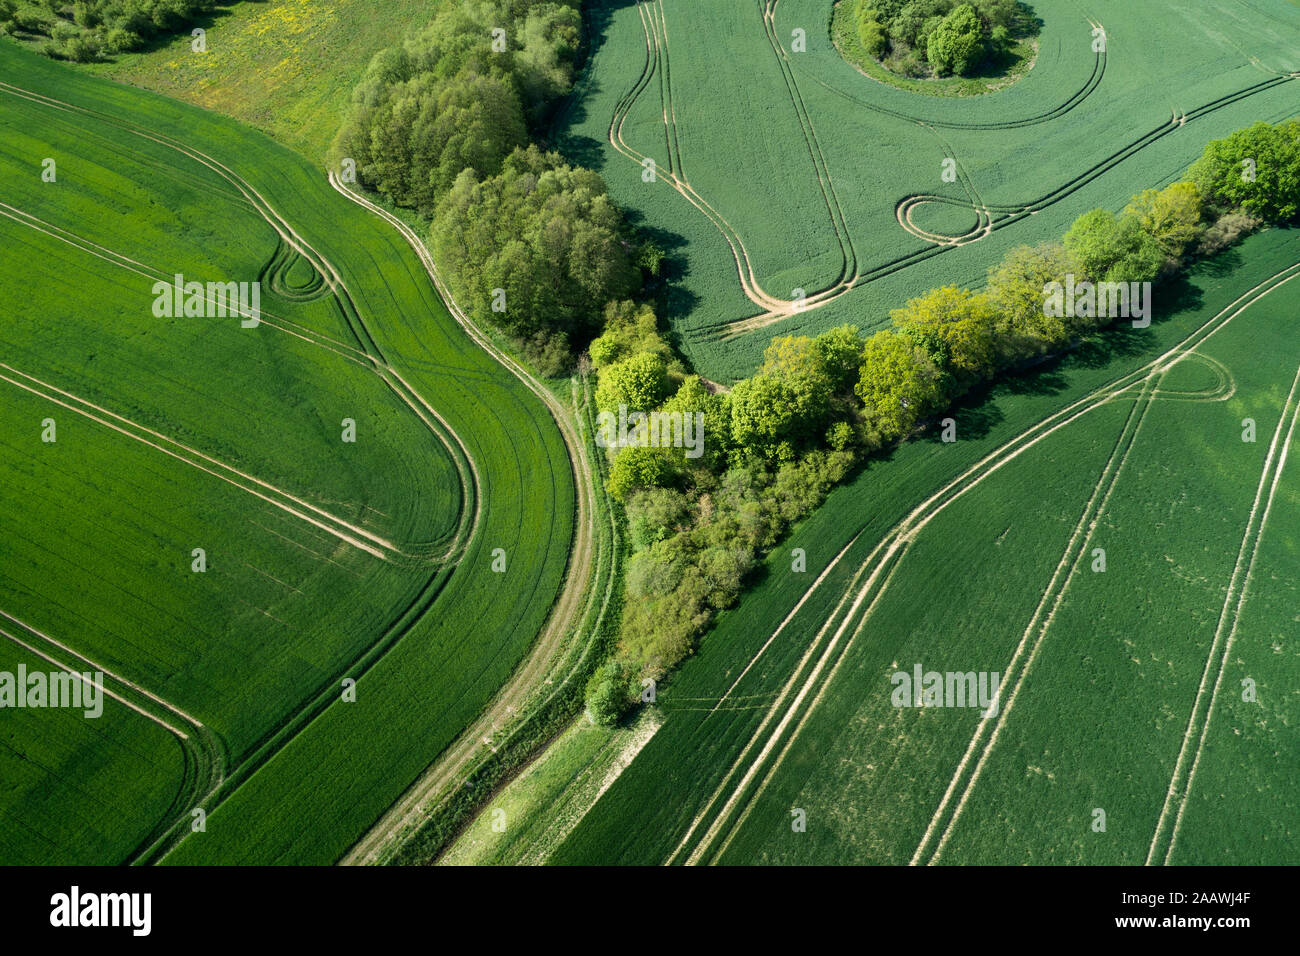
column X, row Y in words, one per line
column 720, row 818
column 405, row 814
column 208, row 780
column 990, row 217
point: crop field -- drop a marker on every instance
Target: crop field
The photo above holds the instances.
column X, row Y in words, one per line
column 327, row 560
column 1157, row 688
column 793, row 193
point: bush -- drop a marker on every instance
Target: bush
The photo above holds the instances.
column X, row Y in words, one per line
column 81, row 49
column 1228, row 229
column 120, row 40
column 607, row 694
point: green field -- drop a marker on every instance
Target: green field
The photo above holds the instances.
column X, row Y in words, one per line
column 1122, row 690
column 789, row 169
column 326, row 559
column 285, row 67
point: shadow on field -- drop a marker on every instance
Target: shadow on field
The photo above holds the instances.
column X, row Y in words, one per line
column 672, row 302
column 572, row 112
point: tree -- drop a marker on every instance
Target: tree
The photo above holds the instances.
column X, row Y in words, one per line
column 638, row 467
column 955, row 327
column 640, row 383
column 1171, row 216
column 897, row 384
column 1112, row 249
column 871, row 31
column 693, row 398
column 543, row 64
column 763, row 415
column 1257, row 168
column 628, row 329
column 956, row 45
column 799, row 364
column 839, row 352
column 1017, row 289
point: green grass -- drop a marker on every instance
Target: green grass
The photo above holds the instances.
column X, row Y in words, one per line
column 1091, row 727
column 803, row 160
column 76, row 789
column 517, row 816
column 285, row 67
column 101, row 525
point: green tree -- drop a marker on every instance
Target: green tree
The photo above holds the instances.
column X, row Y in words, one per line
column 1017, row 293
column 956, row 45
column 628, row 329
column 898, row 383
column 1257, row 168
column 839, row 353
column 871, row 31
column 693, row 398
column 639, row 382
column 1171, row 216
column 638, row 467
column 956, row 329
column 763, row 415
column 1112, row 249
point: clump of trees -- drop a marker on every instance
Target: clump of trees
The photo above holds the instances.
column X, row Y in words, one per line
column 461, row 94
column 939, row 37
column 445, row 124
column 87, row 30
column 538, row 250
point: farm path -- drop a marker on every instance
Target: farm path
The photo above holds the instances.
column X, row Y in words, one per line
column 385, row 835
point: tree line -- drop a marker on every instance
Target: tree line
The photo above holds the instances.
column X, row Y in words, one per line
column 819, row 406
column 940, row 37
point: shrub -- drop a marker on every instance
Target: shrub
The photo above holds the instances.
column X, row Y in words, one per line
column 1226, row 230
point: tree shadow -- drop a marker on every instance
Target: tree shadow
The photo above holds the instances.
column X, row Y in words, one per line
column 204, row 20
